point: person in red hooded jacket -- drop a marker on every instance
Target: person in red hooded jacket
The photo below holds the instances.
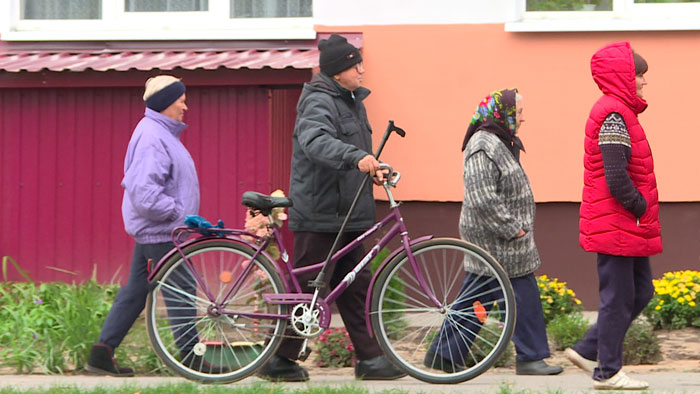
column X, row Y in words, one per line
column 619, row 215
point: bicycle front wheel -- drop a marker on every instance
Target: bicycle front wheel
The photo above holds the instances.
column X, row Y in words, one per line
column 455, row 330
column 200, row 328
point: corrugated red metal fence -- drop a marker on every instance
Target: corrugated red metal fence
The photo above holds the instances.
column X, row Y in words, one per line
column 61, row 157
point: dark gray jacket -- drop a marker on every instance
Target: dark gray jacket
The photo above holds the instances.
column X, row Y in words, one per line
column 331, row 135
column 498, row 203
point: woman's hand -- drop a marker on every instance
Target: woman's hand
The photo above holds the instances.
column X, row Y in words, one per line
column 520, row 233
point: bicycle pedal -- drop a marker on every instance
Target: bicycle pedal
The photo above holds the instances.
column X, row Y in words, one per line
column 304, row 354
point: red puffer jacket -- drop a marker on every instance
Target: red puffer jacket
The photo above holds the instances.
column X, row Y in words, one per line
column 605, row 226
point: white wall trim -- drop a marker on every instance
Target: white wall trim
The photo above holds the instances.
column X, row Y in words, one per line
column 116, row 35
column 574, row 25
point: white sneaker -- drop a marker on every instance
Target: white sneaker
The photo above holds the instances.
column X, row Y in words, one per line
column 580, row 361
column 620, row 381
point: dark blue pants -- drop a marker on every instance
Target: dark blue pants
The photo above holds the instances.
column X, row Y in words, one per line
column 131, row 300
column 529, row 336
column 625, row 288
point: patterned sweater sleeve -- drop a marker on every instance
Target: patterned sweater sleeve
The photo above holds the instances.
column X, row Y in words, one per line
column 480, row 195
column 615, row 146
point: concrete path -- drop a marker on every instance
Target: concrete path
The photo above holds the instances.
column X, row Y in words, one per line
column 571, row 381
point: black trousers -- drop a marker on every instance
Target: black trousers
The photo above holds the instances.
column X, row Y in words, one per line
column 311, row 248
column 131, row 300
column 530, row 334
column 625, row 288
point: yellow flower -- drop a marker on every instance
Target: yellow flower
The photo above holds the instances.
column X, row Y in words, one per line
column 657, row 308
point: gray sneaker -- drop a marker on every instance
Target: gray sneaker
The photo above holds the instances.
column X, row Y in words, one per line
column 539, row 367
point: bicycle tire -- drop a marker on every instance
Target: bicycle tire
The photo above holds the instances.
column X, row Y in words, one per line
column 190, row 337
column 416, row 335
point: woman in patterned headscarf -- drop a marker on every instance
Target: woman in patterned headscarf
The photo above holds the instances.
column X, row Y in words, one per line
column 498, row 214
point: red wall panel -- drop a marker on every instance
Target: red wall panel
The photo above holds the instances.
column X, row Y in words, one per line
column 61, row 165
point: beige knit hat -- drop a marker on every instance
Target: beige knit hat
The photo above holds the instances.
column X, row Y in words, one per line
column 161, row 91
column 157, row 83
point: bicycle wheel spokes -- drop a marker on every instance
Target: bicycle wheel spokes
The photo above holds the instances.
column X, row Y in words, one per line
column 202, row 329
column 454, row 341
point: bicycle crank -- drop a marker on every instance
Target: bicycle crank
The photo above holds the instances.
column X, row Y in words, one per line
column 305, row 321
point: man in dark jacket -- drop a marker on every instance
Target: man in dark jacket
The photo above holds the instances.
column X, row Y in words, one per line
column 332, row 147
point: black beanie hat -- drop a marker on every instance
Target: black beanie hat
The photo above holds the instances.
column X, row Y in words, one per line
column 337, row 55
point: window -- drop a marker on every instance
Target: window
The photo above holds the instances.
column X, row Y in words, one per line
column 587, row 5
column 56, row 20
column 61, row 9
column 92, row 9
column 270, row 8
column 605, row 15
column 568, row 5
column 165, row 5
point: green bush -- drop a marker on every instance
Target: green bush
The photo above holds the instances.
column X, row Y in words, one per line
column 565, row 330
column 556, row 298
column 674, row 304
column 51, row 327
column 335, row 349
column 641, row 345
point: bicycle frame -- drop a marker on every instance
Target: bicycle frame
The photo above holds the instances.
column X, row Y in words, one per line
column 398, row 228
column 291, row 282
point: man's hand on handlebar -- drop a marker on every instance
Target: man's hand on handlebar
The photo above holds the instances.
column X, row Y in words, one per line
column 370, row 165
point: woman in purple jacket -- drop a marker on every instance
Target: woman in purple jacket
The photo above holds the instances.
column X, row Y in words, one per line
column 160, row 188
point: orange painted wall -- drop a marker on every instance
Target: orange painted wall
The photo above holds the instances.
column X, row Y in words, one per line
column 430, row 78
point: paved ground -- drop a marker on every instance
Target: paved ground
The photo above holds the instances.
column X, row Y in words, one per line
column 571, row 381
column 678, row 373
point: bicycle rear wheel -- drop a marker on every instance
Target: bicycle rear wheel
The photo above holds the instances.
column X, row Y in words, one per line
column 458, row 340
column 212, row 339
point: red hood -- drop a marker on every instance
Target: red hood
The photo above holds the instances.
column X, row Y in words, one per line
column 612, row 68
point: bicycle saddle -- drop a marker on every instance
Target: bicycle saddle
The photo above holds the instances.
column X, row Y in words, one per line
column 264, row 203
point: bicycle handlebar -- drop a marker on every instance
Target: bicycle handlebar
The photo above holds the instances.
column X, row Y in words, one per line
column 393, row 177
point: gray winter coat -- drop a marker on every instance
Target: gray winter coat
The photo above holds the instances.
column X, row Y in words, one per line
column 498, row 202
column 331, row 135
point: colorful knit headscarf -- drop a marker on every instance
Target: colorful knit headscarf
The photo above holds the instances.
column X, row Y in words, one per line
column 496, row 114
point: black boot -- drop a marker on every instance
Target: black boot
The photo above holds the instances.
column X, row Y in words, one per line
column 280, row 369
column 102, row 362
column 435, row 361
column 378, row 368
column 198, row 363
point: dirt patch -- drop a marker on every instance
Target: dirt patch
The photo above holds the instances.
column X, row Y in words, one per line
column 680, row 350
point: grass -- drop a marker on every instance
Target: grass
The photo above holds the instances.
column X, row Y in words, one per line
column 191, row 388
column 257, row 388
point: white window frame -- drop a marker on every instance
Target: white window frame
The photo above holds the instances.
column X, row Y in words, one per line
column 625, row 16
column 118, row 24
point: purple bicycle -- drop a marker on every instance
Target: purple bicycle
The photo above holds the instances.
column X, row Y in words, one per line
column 442, row 309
